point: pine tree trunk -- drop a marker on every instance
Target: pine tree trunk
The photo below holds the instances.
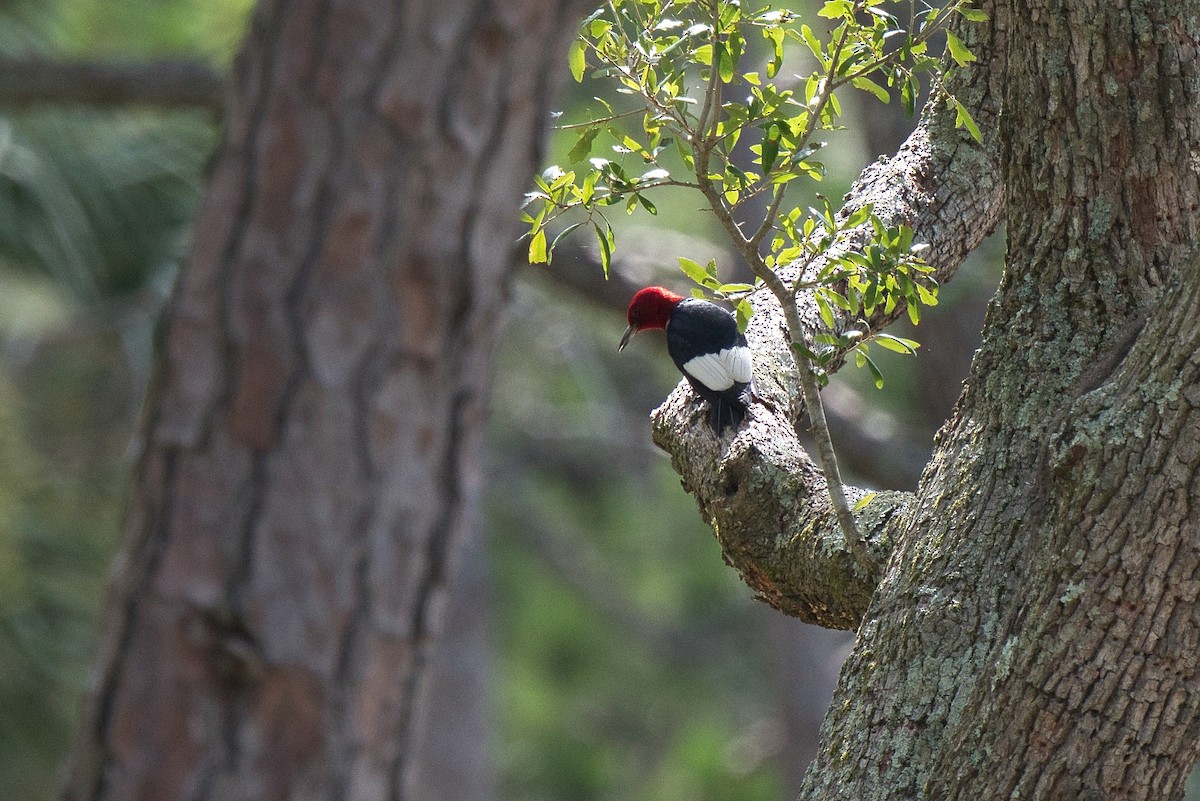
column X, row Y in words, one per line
column 311, row 452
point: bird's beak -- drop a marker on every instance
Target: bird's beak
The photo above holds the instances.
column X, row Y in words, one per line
column 629, row 332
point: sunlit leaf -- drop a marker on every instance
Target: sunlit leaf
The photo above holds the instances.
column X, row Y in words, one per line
column 725, row 63
column 958, row 51
column 577, row 59
column 693, row 270
column 605, row 241
column 963, row 119
column 583, row 146
column 867, row 85
column 557, row 239
column 836, row 9
column 872, row 367
column 864, row 500
column 537, row 248
column 897, row 344
column 743, row 311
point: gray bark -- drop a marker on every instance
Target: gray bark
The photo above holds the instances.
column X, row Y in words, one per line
column 311, row 452
column 1034, row 631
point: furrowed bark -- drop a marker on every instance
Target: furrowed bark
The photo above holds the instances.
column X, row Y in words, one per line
column 763, row 496
column 311, row 455
column 1101, row 661
column 1035, row 633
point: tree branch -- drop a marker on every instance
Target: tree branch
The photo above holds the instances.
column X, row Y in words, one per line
column 763, row 496
column 168, row 83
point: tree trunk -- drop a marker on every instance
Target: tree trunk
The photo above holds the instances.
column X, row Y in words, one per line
column 311, row 451
column 1035, row 631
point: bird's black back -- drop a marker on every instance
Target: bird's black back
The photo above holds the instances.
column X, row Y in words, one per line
column 696, row 328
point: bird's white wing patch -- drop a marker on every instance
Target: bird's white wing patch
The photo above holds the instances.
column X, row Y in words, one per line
column 720, row 371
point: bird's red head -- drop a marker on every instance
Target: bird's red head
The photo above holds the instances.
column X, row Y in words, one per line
column 650, row 308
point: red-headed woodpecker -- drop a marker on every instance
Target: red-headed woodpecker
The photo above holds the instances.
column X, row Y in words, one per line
column 705, row 344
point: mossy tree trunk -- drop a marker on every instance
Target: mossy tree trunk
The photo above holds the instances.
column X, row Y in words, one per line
column 1035, row 631
column 311, row 451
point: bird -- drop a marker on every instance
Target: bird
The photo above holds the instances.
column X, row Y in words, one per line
column 704, row 342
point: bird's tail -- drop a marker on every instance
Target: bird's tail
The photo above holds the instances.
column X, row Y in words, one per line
column 726, row 412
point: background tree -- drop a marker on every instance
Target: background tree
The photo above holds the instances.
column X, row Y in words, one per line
column 311, row 450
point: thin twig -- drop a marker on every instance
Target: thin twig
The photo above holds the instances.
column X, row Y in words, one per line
column 601, row 121
column 702, row 147
column 769, row 220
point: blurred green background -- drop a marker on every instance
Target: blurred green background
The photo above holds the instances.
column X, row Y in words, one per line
column 621, row 659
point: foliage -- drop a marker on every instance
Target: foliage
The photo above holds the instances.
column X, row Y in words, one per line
column 680, row 61
column 93, row 214
column 64, row 423
column 661, row 55
column 209, row 29
column 98, row 201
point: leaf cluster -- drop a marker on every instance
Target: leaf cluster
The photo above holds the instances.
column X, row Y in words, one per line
column 884, row 274
column 693, row 79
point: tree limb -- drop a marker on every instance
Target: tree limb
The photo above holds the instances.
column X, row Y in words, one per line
column 168, row 83
column 763, row 496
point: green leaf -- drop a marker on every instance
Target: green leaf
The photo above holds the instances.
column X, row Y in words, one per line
column 776, row 37
column 823, row 309
column 872, row 367
column 963, row 120
column 836, row 9
column 583, row 146
column 973, row 14
column 770, row 146
column 694, row 271
column 805, row 352
column 725, row 63
column 577, row 59
column 897, row 344
column 867, row 85
column 814, row 45
column 605, row 247
column 599, row 27
column 589, row 187
column 537, row 248
column 563, row 233
column 908, row 95
column 863, row 501
column 860, row 216
column 743, row 311
column 958, row 51
column 914, row 312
